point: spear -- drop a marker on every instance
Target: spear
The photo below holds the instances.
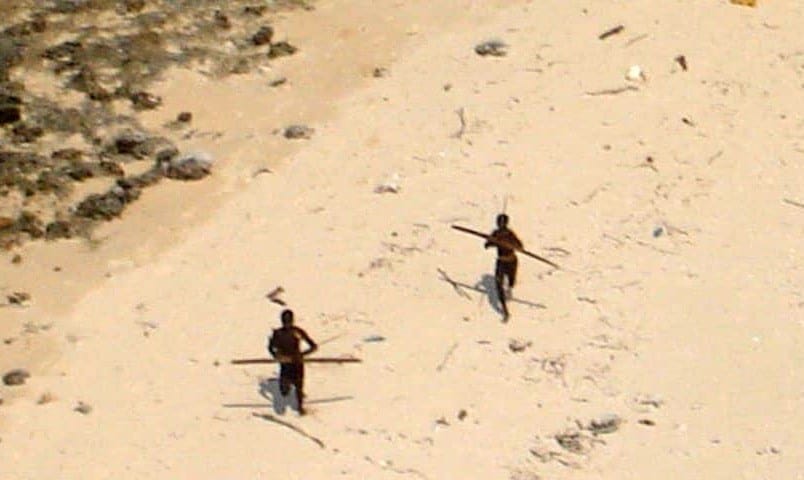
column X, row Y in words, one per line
column 250, row 361
column 504, row 244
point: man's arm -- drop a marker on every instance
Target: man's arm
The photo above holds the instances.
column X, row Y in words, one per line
column 517, row 241
column 272, row 346
column 312, row 345
column 489, row 243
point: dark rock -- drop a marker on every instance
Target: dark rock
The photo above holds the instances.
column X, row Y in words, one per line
column 128, row 143
column 494, row 48
column 608, row 423
column 167, row 155
column 146, row 179
column 263, row 36
column 18, row 298
column 87, row 82
column 102, row 206
column 133, row 6
column 80, row 171
column 193, row 166
column 16, row 377
column 108, row 167
column 11, row 54
column 59, row 229
column 38, row 23
column 145, row 101
column 83, row 408
column 51, row 182
column 68, row 6
column 281, row 49
column 10, row 108
column 67, row 154
column 184, row 117
column 298, row 131
column 25, row 133
column 9, row 114
column 255, row 10
column 30, row 224
column 518, row 346
column 16, row 259
column 65, row 52
column 222, row 20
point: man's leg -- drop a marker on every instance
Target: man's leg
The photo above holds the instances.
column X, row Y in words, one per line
column 284, row 380
column 499, row 277
column 299, row 384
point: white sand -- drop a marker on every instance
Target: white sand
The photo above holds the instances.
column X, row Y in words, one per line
column 707, row 316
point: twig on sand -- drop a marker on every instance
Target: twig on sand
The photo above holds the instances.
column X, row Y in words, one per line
column 612, row 91
column 610, row 32
column 271, row 418
column 793, row 203
column 447, row 357
column 636, row 39
column 462, row 130
column 273, row 296
column 454, row 284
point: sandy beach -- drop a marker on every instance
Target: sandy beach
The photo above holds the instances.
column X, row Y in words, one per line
column 673, row 202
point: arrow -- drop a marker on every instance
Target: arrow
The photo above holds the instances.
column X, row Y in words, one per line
column 504, row 244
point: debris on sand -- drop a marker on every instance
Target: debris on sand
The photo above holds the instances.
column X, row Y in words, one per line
column 16, row 377
column 608, row 423
column 494, row 48
column 83, row 408
column 263, row 36
column 19, row 298
column 611, row 32
column 294, row 132
column 390, row 185
column 518, row 346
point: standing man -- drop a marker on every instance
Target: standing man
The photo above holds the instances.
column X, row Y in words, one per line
column 506, row 242
column 285, row 346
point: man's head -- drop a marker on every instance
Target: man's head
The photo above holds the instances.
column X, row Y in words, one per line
column 287, row 318
column 502, row 220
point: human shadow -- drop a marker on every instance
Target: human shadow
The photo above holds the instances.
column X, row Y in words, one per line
column 488, row 285
column 269, row 389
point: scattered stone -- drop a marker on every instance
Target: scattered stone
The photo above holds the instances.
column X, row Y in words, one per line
column 391, row 185
column 16, row 259
column 263, row 36
column 608, row 423
column 571, row 441
column 255, row 10
column 462, row 415
column 193, row 166
column 681, row 60
column 145, row 101
column 380, row 72
column 278, row 82
column 649, row 400
column 442, row 421
column 374, row 339
column 299, row 132
column 26, row 133
column 101, row 206
column 18, row 298
column 647, row 422
column 127, row 143
column 494, row 48
column 30, row 224
column 222, row 20
column 184, row 117
column 281, row 49
column 658, row 231
column 133, row 6
column 518, row 346
column 83, row 408
column 10, row 108
column 59, row 229
column 46, row 397
column 16, row 377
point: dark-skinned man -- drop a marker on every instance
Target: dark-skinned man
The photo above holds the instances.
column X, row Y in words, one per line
column 506, row 242
column 285, row 346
